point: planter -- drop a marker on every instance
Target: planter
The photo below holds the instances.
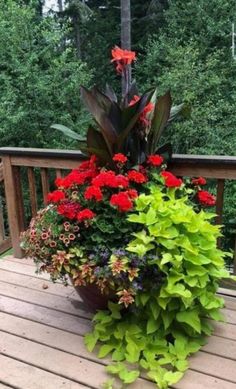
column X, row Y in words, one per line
column 93, row 298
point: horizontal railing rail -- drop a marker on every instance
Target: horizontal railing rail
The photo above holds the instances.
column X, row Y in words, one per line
column 52, row 163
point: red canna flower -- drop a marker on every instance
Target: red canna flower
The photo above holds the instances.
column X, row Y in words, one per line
column 121, row 201
column 122, row 58
column 170, row 180
column 85, row 214
column 155, row 160
column 199, row 181
column 93, row 192
column 121, row 158
column 147, row 109
column 137, row 177
column 206, row 198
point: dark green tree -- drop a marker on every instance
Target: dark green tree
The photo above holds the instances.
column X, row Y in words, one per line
column 192, row 57
column 40, row 84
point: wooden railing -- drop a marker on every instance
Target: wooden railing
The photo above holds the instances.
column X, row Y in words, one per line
column 5, row 241
column 43, row 165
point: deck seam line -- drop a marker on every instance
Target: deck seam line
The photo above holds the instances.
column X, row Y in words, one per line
column 48, row 371
column 217, row 355
column 211, row 375
column 224, row 337
column 8, row 385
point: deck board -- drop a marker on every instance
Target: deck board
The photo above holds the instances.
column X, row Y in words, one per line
column 42, row 330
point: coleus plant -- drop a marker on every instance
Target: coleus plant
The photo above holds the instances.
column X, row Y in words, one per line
column 133, row 126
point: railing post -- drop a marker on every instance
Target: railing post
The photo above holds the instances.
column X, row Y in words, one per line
column 14, row 203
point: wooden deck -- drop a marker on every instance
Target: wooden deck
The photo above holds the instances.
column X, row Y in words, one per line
column 41, row 331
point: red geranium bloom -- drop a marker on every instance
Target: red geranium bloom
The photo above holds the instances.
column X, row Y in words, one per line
column 137, row 177
column 56, row 196
column 121, row 201
column 104, row 179
column 170, row 180
column 68, row 209
column 121, row 158
column 122, row 58
column 199, row 181
column 132, row 193
column 110, row 179
column 155, row 160
column 85, row 214
column 73, row 178
column 93, row 192
column 206, row 198
column 147, row 109
column 121, row 181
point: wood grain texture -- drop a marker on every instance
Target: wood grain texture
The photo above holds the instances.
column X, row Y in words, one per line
column 45, row 183
column 32, row 191
column 23, row 376
column 14, row 204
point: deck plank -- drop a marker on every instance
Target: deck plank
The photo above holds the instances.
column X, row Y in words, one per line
column 225, row 330
column 68, row 305
column 42, row 339
column 58, row 362
column 34, row 282
column 48, row 316
column 20, row 375
column 213, row 365
column 196, row 380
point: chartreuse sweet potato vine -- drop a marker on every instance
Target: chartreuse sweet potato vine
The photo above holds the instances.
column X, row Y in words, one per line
column 168, row 323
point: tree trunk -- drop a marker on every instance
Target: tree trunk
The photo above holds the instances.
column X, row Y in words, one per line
column 60, row 5
column 76, row 21
column 125, row 7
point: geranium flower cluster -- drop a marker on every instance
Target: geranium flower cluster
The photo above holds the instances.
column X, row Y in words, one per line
column 84, row 231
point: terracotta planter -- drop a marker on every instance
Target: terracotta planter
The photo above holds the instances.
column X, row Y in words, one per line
column 93, row 298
